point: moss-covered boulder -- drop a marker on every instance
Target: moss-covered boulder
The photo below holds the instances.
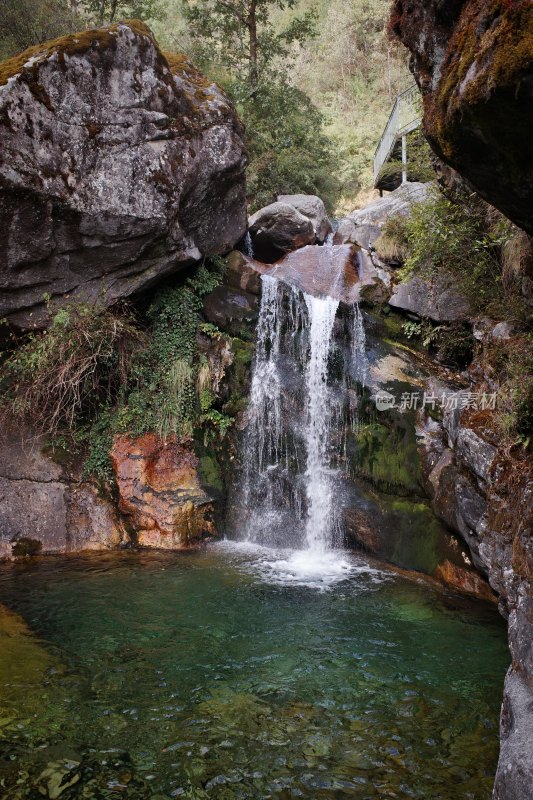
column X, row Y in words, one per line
column 473, row 60
column 118, row 166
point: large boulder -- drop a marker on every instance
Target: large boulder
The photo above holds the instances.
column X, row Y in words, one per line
column 313, row 208
column 473, row 61
column 235, row 301
column 160, row 491
column 395, row 203
column 363, row 226
column 118, row 166
column 277, row 229
column 320, row 271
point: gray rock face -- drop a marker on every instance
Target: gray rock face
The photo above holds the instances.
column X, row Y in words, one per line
column 397, row 202
column 278, row 229
column 513, row 779
column 477, row 454
column 118, row 166
column 438, row 299
column 313, row 208
column 348, row 232
column 45, row 503
column 470, row 491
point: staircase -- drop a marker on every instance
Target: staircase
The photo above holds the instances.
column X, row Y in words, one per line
column 405, row 117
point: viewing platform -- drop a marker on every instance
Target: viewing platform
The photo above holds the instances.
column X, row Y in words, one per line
column 405, row 117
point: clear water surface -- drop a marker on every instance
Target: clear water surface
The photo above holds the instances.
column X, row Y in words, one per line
column 238, row 673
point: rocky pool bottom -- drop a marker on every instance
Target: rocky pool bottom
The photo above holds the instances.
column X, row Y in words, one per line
column 236, row 672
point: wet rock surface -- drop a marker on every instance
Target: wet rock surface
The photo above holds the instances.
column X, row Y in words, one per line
column 119, row 166
column 320, row 271
column 473, row 61
column 160, row 491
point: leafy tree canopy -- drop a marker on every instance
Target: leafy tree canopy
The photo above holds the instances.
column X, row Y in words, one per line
column 240, row 35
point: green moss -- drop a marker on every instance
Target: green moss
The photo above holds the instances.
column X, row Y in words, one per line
column 27, row 547
column 71, row 45
column 211, row 473
column 410, row 535
column 498, row 38
column 386, row 454
column 238, row 376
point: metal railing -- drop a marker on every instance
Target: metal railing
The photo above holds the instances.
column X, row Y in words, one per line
column 406, row 116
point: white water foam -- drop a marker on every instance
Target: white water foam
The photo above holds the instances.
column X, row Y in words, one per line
column 302, row 568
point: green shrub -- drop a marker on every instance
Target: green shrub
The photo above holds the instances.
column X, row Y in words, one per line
column 95, row 373
column 455, row 237
column 513, row 362
column 393, row 244
column 289, row 153
column 412, row 329
column 164, row 397
column 419, row 161
column 455, row 345
column 452, row 344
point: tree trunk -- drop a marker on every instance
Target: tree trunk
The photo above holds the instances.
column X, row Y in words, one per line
column 252, row 39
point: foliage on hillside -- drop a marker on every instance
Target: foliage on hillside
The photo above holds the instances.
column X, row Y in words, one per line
column 321, row 138
column 353, row 72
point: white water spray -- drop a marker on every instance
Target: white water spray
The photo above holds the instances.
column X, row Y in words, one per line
column 319, row 490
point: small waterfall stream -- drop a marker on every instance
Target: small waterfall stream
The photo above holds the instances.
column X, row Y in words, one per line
column 319, row 490
column 292, row 459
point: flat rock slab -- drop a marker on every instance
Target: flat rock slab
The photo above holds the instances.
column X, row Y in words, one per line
column 438, row 299
column 397, row 202
column 321, row 271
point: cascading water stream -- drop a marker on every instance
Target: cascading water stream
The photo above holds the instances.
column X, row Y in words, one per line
column 292, row 456
column 319, row 490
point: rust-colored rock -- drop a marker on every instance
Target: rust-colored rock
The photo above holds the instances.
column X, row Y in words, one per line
column 160, row 491
column 320, row 271
column 473, row 61
column 465, row 580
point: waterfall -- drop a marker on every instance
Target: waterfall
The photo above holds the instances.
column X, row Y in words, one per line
column 248, row 245
column 360, row 366
column 288, row 492
column 263, row 439
column 319, row 491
